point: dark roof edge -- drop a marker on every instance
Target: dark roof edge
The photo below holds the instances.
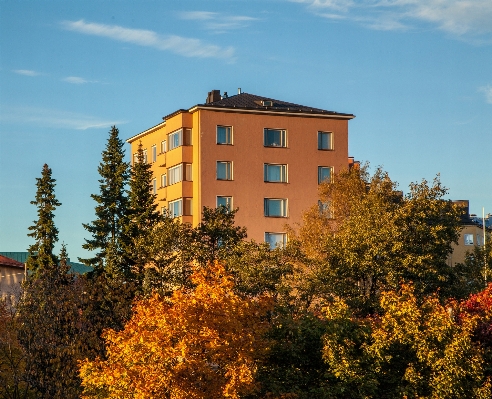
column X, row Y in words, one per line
column 326, row 114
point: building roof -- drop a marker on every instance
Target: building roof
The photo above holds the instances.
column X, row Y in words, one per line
column 4, row 261
column 253, row 102
column 21, row 258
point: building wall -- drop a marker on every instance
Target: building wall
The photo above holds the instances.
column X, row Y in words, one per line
column 464, row 244
column 10, row 280
column 248, row 156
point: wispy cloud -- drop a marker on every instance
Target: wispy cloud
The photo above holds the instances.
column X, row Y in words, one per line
column 187, row 47
column 53, row 118
column 217, row 22
column 458, row 17
column 77, row 80
column 26, row 72
column 487, row 90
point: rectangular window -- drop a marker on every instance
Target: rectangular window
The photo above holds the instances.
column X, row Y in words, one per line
column 154, row 153
column 188, row 176
column 275, row 207
column 187, row 137
column 274, row 138
column 176, row 208
column 154, row 186
column 325, row 209
column 163, row 210
column 175, row 174
column 145, row 156
column 224, row 135
column 276, row 240
column 468, row 239
column 275, row 173
column 175, row 139
column 325, row 141
column 225, row 202
column 135, row 158
column 324, row 174
column 188, row 206
column 224, row 170
column 163, row 146
column 163, row 180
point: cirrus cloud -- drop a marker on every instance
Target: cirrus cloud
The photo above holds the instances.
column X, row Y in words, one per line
column 188, row 47
column 26, row 72
column 459, row 17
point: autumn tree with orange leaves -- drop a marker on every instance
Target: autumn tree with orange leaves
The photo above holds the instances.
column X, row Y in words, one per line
column 199, row 344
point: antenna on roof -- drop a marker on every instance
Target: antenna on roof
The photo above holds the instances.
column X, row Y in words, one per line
column 239, row 90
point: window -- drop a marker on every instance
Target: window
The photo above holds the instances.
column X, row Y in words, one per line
column 325, row 209
column 154, row 153
column 274, row 138
column 154, row 186
column 145, row 156
column 324, row 174
column 175, row 139
column 176, row 208
column 468, row 239
column 188, row 206
column 224, row 201
column 163, row 146
column 135, row 158
column 275, row 173
column 224, row 135
column 267, row 103
column 163, row 180
column 325, row 141
column 175, row 174
column 276, row 240
column 275, row 207
column 224, row 170
column 179, row 173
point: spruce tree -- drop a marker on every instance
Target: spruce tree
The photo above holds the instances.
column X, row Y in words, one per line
column 142, row 214
column 44, row 231
column 111, row 203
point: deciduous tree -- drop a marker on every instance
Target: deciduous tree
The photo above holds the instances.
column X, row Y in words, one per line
column 202, row 344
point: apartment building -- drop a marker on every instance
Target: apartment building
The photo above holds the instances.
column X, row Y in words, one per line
column 261, row 155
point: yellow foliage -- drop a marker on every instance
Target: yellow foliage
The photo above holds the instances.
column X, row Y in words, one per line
column 201, row 344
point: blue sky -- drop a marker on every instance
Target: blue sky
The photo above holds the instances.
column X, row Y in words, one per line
column 416, row 73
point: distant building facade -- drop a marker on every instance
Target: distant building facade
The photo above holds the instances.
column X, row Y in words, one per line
column 12, row 273
column 261, row 155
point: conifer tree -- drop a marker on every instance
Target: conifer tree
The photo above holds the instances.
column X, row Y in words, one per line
column 142, row 213
column 111, row 202
column 44, row 230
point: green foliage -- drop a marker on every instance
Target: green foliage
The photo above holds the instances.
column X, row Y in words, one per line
column 142, row 215
column 111, row 203
column 416, row 348
column 44, row 230
column 48, row 331
column 377, row 240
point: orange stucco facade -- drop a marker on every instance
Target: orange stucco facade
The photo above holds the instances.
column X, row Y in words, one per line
column 245, row 155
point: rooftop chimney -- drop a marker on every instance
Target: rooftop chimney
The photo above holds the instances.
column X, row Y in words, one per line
column 213, row 96
column 239, row 90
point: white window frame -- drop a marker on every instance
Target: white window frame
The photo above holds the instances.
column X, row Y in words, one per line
column 268, row 202
column 175, row 174
column 163, row 146
column 228, row 135
column 329, row 146
column 144, row 152
column 320, row 169
column 175, row 139
column 283, row 138
column 176, row 208
column 135, row 158
column 164, row 180
column 283, row 172
column 228, row 201
column 325, row 209
column 154, row 186
column 468, row 239
column 283, row 240
column 154, row 153
column 229, row 174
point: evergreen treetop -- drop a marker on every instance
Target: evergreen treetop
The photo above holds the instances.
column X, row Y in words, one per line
column 111, row 202
column 44, row 230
